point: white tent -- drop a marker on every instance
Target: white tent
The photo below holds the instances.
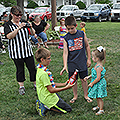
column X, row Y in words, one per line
column 1, row 5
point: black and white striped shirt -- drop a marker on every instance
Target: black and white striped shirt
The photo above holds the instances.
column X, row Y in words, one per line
column 20, row 46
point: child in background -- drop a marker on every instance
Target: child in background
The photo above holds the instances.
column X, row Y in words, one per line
column 82, row 25
column 46, row 88
column 98, row 83
column 62, row 32
column 2, row 45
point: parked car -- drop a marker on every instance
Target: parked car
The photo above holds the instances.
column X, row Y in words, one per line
column 43, row 12
column 115, row 12
column 68, row 10
column 2, row 12
column 6, row 15
column 97, row 12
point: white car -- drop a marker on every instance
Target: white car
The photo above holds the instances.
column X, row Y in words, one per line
column 68, row 10
column 115, row 12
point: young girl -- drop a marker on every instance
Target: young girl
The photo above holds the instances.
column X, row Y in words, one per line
column 63, row 32
column 98, row 83
column 82, row 25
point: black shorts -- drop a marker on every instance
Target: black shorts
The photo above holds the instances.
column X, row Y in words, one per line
column 20, row 64
column 82, row 74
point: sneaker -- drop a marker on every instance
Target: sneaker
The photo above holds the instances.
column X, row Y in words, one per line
column 40, row 108
column 3, row 51
column 22, row 91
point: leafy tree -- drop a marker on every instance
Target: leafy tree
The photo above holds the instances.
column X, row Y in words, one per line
column 81, row 5
column 103, row 1
column 59, row 7
column 8, row 3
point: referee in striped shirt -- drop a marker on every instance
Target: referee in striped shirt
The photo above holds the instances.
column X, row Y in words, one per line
column 19, row 47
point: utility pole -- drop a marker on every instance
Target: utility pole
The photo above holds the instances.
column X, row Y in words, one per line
column 54, row 18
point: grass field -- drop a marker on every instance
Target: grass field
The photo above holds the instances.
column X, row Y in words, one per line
column 16, row 107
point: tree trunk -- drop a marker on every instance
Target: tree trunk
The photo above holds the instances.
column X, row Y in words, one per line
column 54, row 18
column 20, row 3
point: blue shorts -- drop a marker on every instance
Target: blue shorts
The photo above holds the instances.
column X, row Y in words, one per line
column 82, row 74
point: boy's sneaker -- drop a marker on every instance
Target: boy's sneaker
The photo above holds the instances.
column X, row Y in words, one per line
column 22, row 91
column 40, row 108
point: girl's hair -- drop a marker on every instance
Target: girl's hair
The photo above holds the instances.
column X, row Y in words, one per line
column 14, row 10
column 62, row 20
column 83, row 23
column 42, row 53
column 100, row 54
column 70, row 20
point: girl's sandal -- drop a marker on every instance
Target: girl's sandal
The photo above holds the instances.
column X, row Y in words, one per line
column 100, row 112
column 95, row 108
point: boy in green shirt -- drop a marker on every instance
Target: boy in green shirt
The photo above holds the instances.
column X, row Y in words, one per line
column 46, row 88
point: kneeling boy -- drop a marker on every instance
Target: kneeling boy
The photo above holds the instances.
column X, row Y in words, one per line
column 46, row 88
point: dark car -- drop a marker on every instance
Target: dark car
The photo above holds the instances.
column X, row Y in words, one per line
column 43, row 12
column 97, row 12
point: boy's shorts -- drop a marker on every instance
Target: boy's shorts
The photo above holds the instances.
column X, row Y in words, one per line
column 82, row 74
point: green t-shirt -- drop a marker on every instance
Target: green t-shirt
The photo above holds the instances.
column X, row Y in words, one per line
column 42, row 81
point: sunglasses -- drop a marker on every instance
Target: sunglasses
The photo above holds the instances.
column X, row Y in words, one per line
column 18, row 14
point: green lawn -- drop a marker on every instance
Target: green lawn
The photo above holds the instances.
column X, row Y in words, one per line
column 16, row 107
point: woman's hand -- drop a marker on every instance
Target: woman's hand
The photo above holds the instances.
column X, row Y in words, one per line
column 3, row 47
column 30, row 24
column 22, row 25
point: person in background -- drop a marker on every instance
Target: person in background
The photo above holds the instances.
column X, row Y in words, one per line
column 40, row 27
column 19, row 47
column 97, row 87
column 2, row 45
column 63, row 32
column 82, row 25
